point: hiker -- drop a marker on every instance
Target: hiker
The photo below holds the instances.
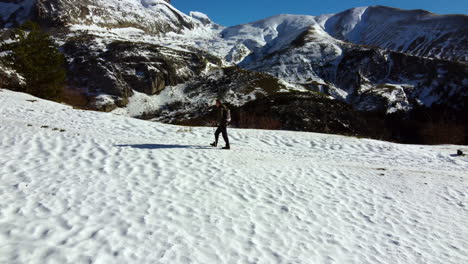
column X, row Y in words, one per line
column 222, row 121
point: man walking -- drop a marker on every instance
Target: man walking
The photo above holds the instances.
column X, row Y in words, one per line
column 223, row 119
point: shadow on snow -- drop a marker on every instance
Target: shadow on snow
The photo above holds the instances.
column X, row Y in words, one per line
column 161, row 146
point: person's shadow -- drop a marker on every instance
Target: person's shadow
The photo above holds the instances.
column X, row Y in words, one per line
column 161, row 146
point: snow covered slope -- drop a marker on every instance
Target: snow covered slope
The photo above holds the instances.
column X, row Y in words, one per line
column 152, row 16
column 89, row 187
column 416, row 32
column 299, row 49
column 375, row 58
column 268, row 35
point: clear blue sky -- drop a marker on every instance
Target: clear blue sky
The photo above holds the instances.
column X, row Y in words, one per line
column 228, row 12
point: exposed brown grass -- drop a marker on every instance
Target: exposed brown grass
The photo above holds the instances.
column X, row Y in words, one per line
column 247, row 120
column 442, row 132
column 74, row 98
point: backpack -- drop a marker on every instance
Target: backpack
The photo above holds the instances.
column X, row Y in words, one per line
column 228, row 115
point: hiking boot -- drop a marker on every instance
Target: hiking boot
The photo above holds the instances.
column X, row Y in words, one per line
column 213, row 144
column 227, row 147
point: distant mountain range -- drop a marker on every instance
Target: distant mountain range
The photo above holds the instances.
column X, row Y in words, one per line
column 376, row 59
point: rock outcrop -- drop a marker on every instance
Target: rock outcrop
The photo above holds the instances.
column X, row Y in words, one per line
column 367, row 77
column 118, row 68
column 393, row 67
column 415, row 32
column 152, row 16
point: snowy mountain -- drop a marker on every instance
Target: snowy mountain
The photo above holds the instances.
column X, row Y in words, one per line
column 352, row 72
column 89, row 187
column 152, row 16
column 415, row 32
column 306, row 50
column 268, row 35
column 149, row 59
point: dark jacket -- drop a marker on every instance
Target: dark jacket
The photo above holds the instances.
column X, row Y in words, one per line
column 222, row 116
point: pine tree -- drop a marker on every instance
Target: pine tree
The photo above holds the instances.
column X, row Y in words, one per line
column 36, row 57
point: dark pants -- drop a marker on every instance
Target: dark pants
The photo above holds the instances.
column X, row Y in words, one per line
column 222, row 129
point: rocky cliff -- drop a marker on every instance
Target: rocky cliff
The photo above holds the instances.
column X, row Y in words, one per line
column 415, row 32
column 145, row 54
column 152, row 16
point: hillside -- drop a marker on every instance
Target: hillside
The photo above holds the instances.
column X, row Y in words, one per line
column 345, row 56
column 416, row 32
column 407, row 68
column 80, row 186
column 139, row 14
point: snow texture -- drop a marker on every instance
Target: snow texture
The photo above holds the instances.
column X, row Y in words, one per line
column 89, row 187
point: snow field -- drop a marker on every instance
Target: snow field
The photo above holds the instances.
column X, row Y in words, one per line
column 89, row 187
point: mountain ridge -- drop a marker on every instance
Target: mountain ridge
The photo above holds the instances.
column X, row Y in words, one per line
column 105, row 13
column 178, row 58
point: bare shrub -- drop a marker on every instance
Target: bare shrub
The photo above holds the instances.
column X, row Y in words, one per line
column 74, row 98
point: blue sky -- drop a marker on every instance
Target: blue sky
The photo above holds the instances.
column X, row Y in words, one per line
column 228, row 13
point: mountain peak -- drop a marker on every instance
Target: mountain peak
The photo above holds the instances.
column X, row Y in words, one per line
column 148, row 3
column 203, row 18
column 152, row 16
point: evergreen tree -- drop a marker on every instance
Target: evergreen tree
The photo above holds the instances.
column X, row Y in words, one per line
column 35, row 56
